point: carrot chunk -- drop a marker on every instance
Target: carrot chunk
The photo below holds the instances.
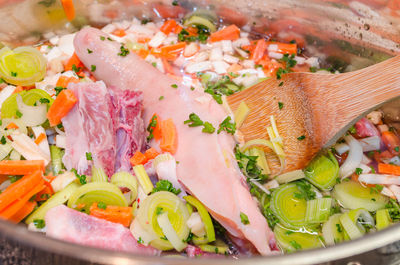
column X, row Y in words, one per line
column 138, row 159
column 169, row 137
column 392, row 142
column 23, row 212
column 259, row 50
column 69, row 9
column 231, row 32
column 388, row 169
column 64, row 102
column 119, row 33
column 151, row 153
column 21, row 167
column 168, row 26
column 115, row 214
column 63, row 81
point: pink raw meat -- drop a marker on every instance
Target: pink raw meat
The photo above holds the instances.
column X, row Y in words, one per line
column 365, row 128
column 70, row 225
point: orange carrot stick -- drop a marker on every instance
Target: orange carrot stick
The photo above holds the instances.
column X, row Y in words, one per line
column 259, row 50
column 289, row 48
column 44, row 194
column 115, row 214
column 23, row 212
column 63, row 81
column 392, row 142
column 168, row 26
column 173, row 49
column 167, row 67
column 40, row 138
column 14, row 207
column 21, row 167
column 18, row 89
column 388, row 169
column 74, row 60
column 169, row 137
column 138, row 158
column 119, row 33
column 231, row 32
column 12, row 125
column 151, row 153
column 64, row 102
column 69, row 9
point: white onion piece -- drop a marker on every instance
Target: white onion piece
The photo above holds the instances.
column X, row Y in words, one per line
column 32, row 115
column 341, row 148
column 139, row 233
column 379, row 179
column 365, row 160
column 387, row 192
column 5, row 149
column 196, row 225
column 365, row 169
column 396, row 191
column 62, row 181
column 61, row 141
column 44, row 144
column 27, row 148
column 353, row 159
column 370, row 143
column 169, row 232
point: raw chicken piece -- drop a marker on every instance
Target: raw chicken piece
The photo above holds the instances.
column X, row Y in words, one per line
column 207, row 167
column 365, row 128
column 76, row 227
column 129, row 129
column 89, row 128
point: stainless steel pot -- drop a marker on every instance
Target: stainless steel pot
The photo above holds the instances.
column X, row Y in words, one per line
column 347, row 34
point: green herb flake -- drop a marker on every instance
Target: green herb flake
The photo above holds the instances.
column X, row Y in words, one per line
column 352, row 130
column 195, row 121
column 108, row 38
column 359, row 171
column 376, row 189
column 165, row 185
column 280, row 105
column 102, row 205
column 102, row 38
column 3, row 140
column 89, row 51
column 294, row 244
column 140, row 241
column 208, row 128
column 289, row 232
column 159, row 210
column 18, row 113
column 154, row 64
column 174, row 86
column 89, row 156
column 44, row 100
column 301, row 138
column 39, row 223
column 305, row 191
column 244, row 219
column 81, row 178
column 175, row 3
column 161, row 98
column 150, row 128
column 47, row 3
column 281, row 84
column 14, row 178
column 124, row 51
column 339, row 228
column 397, row 148
column 58, row 89
column 228, row 126
column 192, row 88
column 93, row 68
column 14, row 74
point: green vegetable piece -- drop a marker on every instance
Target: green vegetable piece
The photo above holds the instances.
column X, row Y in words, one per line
column 332, row 230
column 56, row 159
column 290, row 241
column 200, row 21
column 323, row 171
column 165, row 185
column 383, row 219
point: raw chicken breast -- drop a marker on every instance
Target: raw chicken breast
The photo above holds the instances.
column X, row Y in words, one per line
column 76, row 227
column 207, row 166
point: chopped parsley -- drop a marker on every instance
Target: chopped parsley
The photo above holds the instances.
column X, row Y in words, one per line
column 165, row 185
column 244, row 219
column 174, row 86
column 228, row 126
column 82, row 178
column 281, row 84
column 161, row 98
column 295, row 244
column 202, row 34
column 302, row 137
column 102, row 205
column 89, row 156
column 44, row 100
column 102, row 38
column 108, row 38
column 313, row 69
column 14, row 74
column 289, row 63
column 352, row 130
column 46, row 3
column 3, row 140
column 289, row 232
column 195, row 121
column 339, row 228
column 163, row 238
column 159, row 210
column 93, row 68
column 18, row 113
column 154, row 64
column 124, row 51
column 280, row 105
column 376, row 189
column 39, row 223
column 305, row 191
column 192, row 88
column 189, row 238
column 397, row 148
column 140, row 240
column 58, row 89
column 145, row 21
column 223, row 86
column 14, row 178
column 359, row 171
column 248, row 164
column 150, row 128
column 89, row 51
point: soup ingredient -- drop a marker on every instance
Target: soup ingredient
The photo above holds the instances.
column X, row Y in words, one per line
column 21, row 167
column 177, row 214
column 115, row 214
column 63, row 104
column 27, row 147
column 169, row 137
column 383, row 219
column 388, row 169
column 323, row 171
column 230, row 196
column 98, row 175
column 197, row 20
column 23, row 212
column 241, row 114
column 352, row 195
column 143, row 178
column 356, row 221
column 290, row 176
column 231, row 32
column 292, row 240
column 22, row 66
column 70, row 225
column 57, row 199
column 332, row 230
column 69, row 9
column 56, row 159
column 318, row 210
column 169, row 232
column 165, row 166
column 126, row 180
column 31, row 115
column 354, row 158
column 96, row 192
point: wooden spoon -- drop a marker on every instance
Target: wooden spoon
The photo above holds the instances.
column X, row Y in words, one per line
column 320, row 107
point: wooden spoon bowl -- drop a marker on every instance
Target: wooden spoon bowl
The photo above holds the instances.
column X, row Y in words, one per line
column 316, row 107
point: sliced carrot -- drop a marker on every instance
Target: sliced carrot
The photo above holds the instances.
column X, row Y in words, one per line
column 63, row 81
column 234, row 68
column 250, row 48
column 119, row 33
column 18, row 89
column 17, row 205
column 178, row 29
column 143, row 39
column 168, row 26
column 169, row 137
column 151, row 153
column 69, row 9
column 45, row 193
column 40, row 138
column 23, row 212
column 142, row 53
column 20, row 167
column 64, row 102
column 12, row 125
column 388, row 169
column 115, row 214
column 138, row 158
column 286, row 48
column 74, row 60
column 167, row 66
column 392, row 142
column 379, row 156
column 231, row 32
column 259, row 50
column 173, row 49
column 157, row 128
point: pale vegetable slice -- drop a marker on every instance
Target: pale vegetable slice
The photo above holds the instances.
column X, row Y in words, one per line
column 290, row 176
column 362, row 218
column 318, row 210
column 354, row 158
column 291, row 240
column 241, row 114
column 383, row 219
column 352, row 195
column 98, row 174
column 350, row 227
column 31, row 115
column 261, row 159
column 5, row 149
column 143, row 178
column 28, row 148
column 124, row 179
column 332, row 230
column 169, row 232
column 198, row 20
column 323, row 171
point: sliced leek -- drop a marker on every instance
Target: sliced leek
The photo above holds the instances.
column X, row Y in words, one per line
column 169, row 232
column 291, row 211
column 383, row 219
column 22, row 66
column 350, row 227
column 292, row 240
column 126, row 180
column 57, row 199
column 318, row 210
column 332, row 230
column 93, row 192
column 98, row 174
column 205, row 217
column 163, row 202
column 199, row 20
column 277, row 142
column 143, row 178
column 241, row 114
column 5, row 149
column 352, row 195
column 215, row 249
column 56, row 159
column 290, row 176
column 261, row 159
column 323, row 171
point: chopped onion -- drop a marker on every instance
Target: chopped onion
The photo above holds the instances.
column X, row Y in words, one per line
column 341, row 148
column 379, row 179
column 220, row 67
column 44, row 144
column 198, row 67
column 139, row 233
column 216, row 54
column 157, row 40
column 353, row 159
column 32, row 115
column 62, row 181
column 370, row 143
